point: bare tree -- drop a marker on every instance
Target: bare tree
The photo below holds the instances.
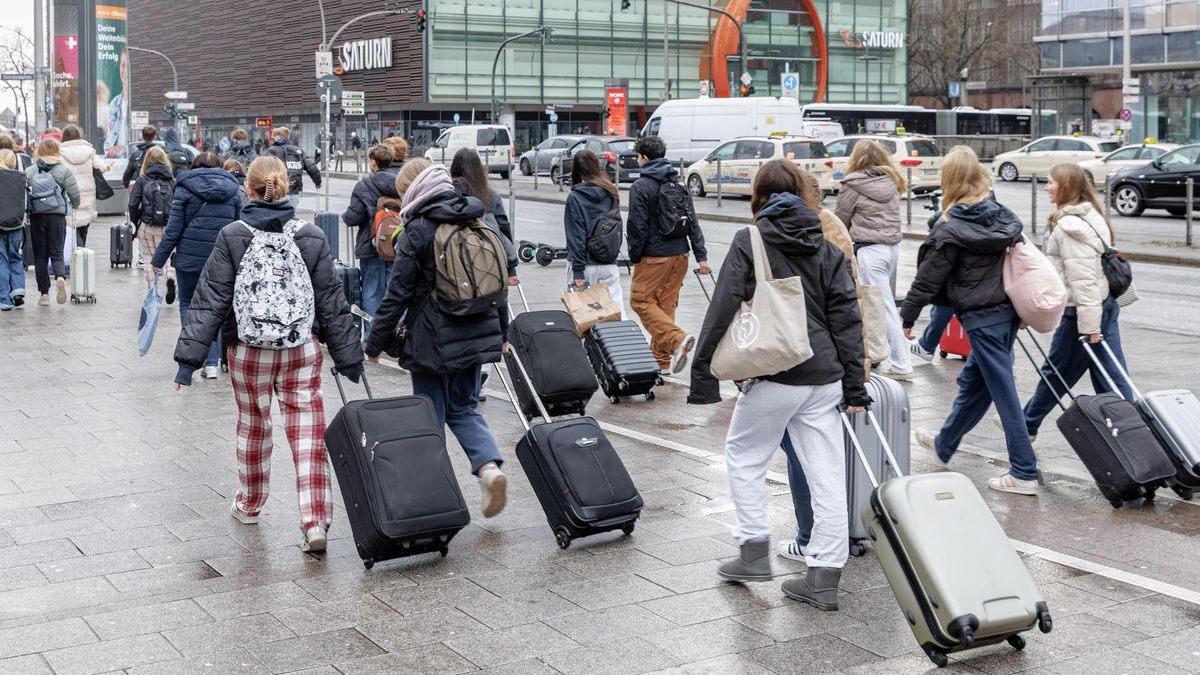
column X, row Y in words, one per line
column 948, row 36
column 16, row 56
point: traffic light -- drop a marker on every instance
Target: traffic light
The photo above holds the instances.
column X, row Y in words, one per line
column 421, row 20
column 625, row 5
column 746, row 90
column 169, row 111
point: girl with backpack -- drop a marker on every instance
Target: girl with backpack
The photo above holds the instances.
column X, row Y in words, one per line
column 52, row 191
column 593, row 200
column 206, row 199
column 470, row 179
column 271, row 289
column 12, row 232
column 150, row 210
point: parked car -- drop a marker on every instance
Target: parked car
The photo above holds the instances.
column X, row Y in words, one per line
column 492, row 142
column 741, row 158
column 1038, row 156
column 918, row 153
column 613, row 151
column 1137, row 154
column 544, row 154
column 1161, row 184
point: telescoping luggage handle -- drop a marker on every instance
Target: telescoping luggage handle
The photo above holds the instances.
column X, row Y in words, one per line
column 700, row 279
column 862, row 455
column 1087, row 348
column 337, row 379
column 512, row 395
column 1137, row 395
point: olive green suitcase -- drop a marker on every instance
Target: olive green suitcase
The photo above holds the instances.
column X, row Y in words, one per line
column 958, row 580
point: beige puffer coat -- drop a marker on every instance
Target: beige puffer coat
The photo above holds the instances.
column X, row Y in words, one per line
column 80, row 157
column 1075, row 244
column 869, row 204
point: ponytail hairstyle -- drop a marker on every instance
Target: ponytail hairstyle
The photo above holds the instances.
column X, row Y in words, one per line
column 1074, row 188
column 267, row 179
column 868, row 155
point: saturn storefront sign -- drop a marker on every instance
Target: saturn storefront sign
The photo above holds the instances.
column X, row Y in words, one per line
column 873, row 39
column 369, row 54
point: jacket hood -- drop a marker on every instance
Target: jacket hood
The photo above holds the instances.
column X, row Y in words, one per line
column 592, row 193
column 77, row 152
column 1083, row 223
column 983, row 227
column 159, row 171
column 790, row 225
column 659, row 169
column 46, row 165
column 874, row 185
column 171, row 139
column 451, row 207
column 268, row 216
column 210, row 185
column 383, row 182
column 240, row 147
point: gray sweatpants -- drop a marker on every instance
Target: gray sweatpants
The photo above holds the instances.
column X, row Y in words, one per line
column 809, row 414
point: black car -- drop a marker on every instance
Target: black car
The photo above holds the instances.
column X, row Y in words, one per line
column 1161, row 184
column 613, row 151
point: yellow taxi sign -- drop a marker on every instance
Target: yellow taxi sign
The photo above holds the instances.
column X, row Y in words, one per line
column 779, row 134
column 1150, row 140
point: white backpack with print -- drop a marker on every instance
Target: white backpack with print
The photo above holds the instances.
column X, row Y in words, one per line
column 273, row 298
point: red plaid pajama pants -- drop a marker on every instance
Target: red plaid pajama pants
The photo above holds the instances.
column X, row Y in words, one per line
column 294, row 376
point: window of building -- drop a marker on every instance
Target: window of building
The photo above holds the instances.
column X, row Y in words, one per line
column 1086, row 53
column 1181, row 13
column 1051, row 54
column 1183, row 46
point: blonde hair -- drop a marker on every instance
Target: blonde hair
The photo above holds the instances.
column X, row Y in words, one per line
column 399, row 148
column 155, row 155
column 810, row 190
column 1075, row 188
column 267, row 179
column 232, row 165
column 409, row 173
column 282, row 133
column 48, row 148
column 964, row 179
column 872, row 155
column 8, row 159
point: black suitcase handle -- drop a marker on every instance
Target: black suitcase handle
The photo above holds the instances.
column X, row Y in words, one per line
column 337, row 379
column 512, row 395
column 700, row 279
column 862, row 455
column 1137, row 395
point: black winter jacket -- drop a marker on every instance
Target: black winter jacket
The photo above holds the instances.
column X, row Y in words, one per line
column 961, row 263
column 242, row 151
column 361, row 211
column 795, row 247
column 644, row 238
column 436, row 342
column 157, row 171
column 278, row 149
column 134, row 166
column 586, row 205
column 181, row 157
column 206, row 200
column 211, row 308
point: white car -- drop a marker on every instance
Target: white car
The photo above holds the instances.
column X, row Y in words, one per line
column 1039, row 156
column 1138, row 154
column 741, row 159
column 918, row 153
column 491, row 142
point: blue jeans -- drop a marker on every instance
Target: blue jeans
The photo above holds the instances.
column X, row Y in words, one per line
column 1068, row 355
column 987, row 378
column 801, row 497
column 939, row 318
column 375, row 274
column 187, row 288
column 455, row 395
column 12, row 266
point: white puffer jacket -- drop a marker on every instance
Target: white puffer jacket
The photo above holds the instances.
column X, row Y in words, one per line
column 80, row 157
column 1075, row 245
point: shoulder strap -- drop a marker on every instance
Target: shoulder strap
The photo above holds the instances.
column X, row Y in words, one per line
column 1104, row 246
column 758, row 251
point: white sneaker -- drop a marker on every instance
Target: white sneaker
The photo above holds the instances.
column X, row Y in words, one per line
column 493, row 487
column 314, row 539
column 926, row 440
column 680, row 357
column 915, row 348
column 483, row 380
column 791, row 550
column 60, row 285
column 1016, row 486
column 893, row 375
column 210, row 372
column 241, row 516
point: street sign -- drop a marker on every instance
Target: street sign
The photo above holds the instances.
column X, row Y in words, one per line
column 746, row 79
column 140, row 118
column 176, row 94
column 15, row 77
column 703, row 88
column 193, row 120
column 885, row 126
column 331, row 85
column 1130, row 81
column 549, row 109
column 354, row 102
column 790, row 83
column 553, row 117
column 954, row 90
column 1130, row 101
column 324, row 63
column 1126, row 115
column 185, row 105
column 223, row 144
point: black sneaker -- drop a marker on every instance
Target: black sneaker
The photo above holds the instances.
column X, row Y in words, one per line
column 170, row 291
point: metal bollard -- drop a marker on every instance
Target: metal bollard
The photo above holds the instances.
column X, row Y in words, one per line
column 1189, row 212
column 535, row 169
column 512, row 201
column 1107, row 199
column 560, row 176
column 720, row 180
column 1033, row 204
column 909, row 201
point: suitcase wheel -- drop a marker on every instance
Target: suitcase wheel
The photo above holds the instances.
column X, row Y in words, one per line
column 937, row 656
column 444, row 551
column 1045, row 623
column 627, row 528
column 563, row 538
column 658, row 381
column 649, row 396
column 1017, row 642
column 614, row 399
column 942, row 353
column 1185, row 494
column 368, row 563
column 1116, row 503
column 1150, row 494
column 858, row 549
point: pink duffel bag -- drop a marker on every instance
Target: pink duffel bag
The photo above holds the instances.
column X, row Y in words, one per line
column 1034, row 287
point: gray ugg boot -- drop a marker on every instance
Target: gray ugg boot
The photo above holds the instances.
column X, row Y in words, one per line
column 818, row 587
column 754, row 563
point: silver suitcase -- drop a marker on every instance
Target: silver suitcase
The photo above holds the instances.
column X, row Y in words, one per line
column 891, row 409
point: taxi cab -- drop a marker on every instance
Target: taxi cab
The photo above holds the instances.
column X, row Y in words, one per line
column 741, row 158
column 918, row 153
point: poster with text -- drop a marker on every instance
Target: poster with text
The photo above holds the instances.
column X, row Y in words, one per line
column 112, row 78
column 66, row 77
column 618, row 113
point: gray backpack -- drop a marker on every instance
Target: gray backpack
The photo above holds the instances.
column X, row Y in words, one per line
column 273, row 298
column 45, row 194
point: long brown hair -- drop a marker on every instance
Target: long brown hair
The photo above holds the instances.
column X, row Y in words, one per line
column 585, row 168
column 1075, row 188
column 964, row 179
column 868, row 155
column 775, row 177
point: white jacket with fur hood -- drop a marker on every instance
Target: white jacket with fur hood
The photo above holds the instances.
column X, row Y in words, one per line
column 1076, row 242
column 80, row 157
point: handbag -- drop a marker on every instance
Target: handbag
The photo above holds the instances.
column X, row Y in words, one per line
column 1117, row 270
column 1034, row 287
column 103, row 189
column 148, row 320
column 590, row 306
column 769, row 334
column 872, row 302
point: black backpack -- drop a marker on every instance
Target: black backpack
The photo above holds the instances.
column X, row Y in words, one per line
column 180, row 160
column 156, row 201
column 675, row 218
column 604, row 241
column 12, row 200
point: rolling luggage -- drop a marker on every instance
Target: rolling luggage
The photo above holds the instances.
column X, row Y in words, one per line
column 401, row 494
column 891, row 402
column 83, row 275
column 329, row 224
column 622, row 360
column 954, row 340
column 351, row 280
column 1174, row 416
column 558, row 365
column 1112, row 440
column 575, row 472
column 958, row 580
column 120, row 246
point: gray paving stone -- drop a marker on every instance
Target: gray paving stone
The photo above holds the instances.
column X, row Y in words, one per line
column 527, row 607
column 1114, row 661
column 610, row 592
column 31, row 534
column 613, row 564
column 707, row 605
column 609, row 627
column 255, row 600
column 1107, row 588
column 628, row 656
column 517, row 582
column 434, row 659
column 1002, row 659
column 56, row 597
column 1086, row 631
column 227, row 661
column 686, row 578
column 162, row 579
column 189, row 551
column 284, row 656
column 525, row 667
column 326, row 587
column 40, row 637
column 223, row 635
column 438, row 625
column 415, row 599
column 796, row 620
column 108, row 542
column 334, row 615
column 678, row 528
column 730, row 664
column 111, row 655
column 147, row 619
column 815, row 654
column 92, row 566
column 21, row 577
column 32, row 664
column 701, row 641
column 1153, row 616
column 691, row 550
column 1180, row 649
column 511, row 644
column 29, row 554
column 886, row 639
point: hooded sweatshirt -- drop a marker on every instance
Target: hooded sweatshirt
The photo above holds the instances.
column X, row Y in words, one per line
column 795, row 247
column 64, row 177
column 361, row 211
column 869, row 204
column 134, row 166
column 644, row 236
column 586, row 205
column 961, row 264
column 1077, row 239
column 181, row 159
column 80, row 157
column 242, row 151
column 206, row 200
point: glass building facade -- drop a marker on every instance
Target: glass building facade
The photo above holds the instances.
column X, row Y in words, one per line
column 1084, row 38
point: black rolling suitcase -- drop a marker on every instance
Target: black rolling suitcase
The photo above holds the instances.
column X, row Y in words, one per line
column 562, row 375
column 400, row 491
column 578, row 477
column 1112, row 440
column 622, row 360
column 120, row 246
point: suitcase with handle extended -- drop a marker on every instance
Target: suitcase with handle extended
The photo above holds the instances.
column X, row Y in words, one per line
column 575, row 472
column 622, row 360
column 120, row 246
column 562, row 375
column 401, row 494
column 83, row 275
column 958, row 580
column 330, row 225
column 351, row 279
column 890, row 402
column 954, row 340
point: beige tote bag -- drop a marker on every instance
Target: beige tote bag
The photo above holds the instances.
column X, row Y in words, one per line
column 770, row 333
column 872, row 301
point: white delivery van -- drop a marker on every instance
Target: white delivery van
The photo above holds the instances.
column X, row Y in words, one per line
column 490, row 141
column 691, row 128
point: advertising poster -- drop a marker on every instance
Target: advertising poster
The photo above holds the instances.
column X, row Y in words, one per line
column 618, row 113
column 66, row 76
column 112, row 78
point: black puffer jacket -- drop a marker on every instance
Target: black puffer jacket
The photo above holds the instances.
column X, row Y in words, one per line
column 961, row 263
column 642, row 227
column 361, row 211
column 211, row 308
column 795, row 247
column 436, row 342
column 242, row 151
column 134, row 166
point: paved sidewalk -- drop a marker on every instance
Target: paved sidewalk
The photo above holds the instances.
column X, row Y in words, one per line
column 117, row 552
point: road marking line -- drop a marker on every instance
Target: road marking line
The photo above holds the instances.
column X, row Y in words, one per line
column 1153, row 585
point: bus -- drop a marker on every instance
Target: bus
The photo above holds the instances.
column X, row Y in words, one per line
column 868, row 119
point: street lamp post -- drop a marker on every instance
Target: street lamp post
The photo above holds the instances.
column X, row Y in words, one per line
column 174, row 80
column 544, row 31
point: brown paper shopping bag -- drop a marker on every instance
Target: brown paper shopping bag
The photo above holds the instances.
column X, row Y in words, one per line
column 590, row 306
